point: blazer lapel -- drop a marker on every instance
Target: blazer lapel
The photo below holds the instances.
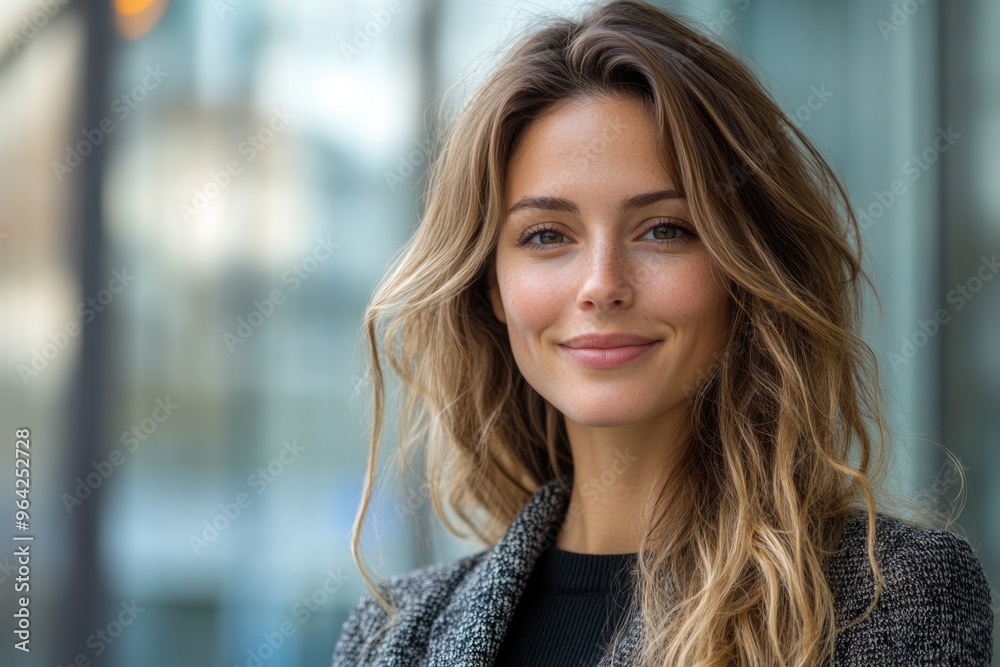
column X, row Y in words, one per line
column 623, row 655
column 471, row 628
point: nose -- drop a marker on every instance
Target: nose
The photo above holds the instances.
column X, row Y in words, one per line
column 607, row 282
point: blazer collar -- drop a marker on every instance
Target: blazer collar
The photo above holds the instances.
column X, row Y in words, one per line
column 471, row 628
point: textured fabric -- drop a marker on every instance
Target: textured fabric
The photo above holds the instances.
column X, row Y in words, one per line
column 934, row 609
column 569, row 610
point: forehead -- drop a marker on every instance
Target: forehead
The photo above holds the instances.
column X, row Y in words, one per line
column 589, row 146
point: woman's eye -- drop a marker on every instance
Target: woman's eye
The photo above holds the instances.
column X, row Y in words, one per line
column 669, row 232
column 546, row 237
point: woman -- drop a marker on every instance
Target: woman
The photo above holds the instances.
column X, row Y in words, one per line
column 626, row 334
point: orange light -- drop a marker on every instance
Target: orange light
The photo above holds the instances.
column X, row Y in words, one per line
column 129, row 7
column 134, row 18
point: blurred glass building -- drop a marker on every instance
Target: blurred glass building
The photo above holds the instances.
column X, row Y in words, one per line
column 198, row 197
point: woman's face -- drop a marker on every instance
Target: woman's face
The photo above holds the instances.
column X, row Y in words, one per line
column 587, row 249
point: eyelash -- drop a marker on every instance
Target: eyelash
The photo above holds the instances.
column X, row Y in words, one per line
column 535, row 230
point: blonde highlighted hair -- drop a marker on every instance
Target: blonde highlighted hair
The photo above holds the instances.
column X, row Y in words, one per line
column 788, row 427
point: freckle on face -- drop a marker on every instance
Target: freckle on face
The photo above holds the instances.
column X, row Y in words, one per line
column 602, row 270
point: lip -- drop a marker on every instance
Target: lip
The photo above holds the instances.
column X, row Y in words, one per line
column 603, row 341
column 607, row 350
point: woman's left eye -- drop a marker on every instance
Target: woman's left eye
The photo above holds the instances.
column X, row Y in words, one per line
column 671, row 233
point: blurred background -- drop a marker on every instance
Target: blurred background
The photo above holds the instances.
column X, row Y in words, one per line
column 197, row 198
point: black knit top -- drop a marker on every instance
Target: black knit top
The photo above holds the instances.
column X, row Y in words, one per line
column 571, row 606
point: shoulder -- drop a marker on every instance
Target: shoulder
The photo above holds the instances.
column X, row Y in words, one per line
column 935, row 605
column 418, row 596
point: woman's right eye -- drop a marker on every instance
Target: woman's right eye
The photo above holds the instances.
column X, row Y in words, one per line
column 541, row 233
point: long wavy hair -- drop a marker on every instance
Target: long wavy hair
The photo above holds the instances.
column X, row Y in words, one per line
column 787, row 430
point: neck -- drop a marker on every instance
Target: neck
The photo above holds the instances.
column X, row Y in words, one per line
column 616, row 471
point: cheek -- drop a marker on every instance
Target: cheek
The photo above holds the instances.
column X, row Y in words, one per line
column 690, row 297
column 532, row 302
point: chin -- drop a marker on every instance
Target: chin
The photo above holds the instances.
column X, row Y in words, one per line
column 605, row 414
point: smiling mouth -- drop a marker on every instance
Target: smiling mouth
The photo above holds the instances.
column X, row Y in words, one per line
column 608, row 357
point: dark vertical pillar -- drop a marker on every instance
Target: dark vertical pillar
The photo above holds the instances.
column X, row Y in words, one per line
column 945, row 111
column 86, row 606
column 967, row 234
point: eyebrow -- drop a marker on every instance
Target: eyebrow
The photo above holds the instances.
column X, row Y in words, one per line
column 569, row 206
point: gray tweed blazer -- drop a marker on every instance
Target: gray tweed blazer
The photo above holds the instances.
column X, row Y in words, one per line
column 935, row 608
